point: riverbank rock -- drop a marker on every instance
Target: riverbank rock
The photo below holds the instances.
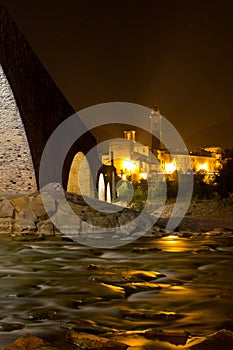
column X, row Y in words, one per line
column 98, row 220
column 172, row 337
column 30, row 342
column 6, row 209
column 86, row 341
column 76, row 216
column 220, row 340
column 6, row 225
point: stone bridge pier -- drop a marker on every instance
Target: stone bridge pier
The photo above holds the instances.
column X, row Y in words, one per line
column 31, row 108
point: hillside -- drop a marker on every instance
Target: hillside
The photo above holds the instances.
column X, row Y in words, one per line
column 220, row 134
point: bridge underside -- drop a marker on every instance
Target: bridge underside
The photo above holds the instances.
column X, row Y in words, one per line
column 31, row 112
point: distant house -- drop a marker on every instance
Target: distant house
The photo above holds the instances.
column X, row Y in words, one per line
column 135, row 161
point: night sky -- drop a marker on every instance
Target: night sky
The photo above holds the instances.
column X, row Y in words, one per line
column 177, row 54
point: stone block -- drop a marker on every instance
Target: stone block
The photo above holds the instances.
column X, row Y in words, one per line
column 20, row 204
column 6, row 225
column 30, row 342
column 6, row 209
column 66, row 221
column 88, row 341
column 45, row 227
column 37, row 206
column 25, row 222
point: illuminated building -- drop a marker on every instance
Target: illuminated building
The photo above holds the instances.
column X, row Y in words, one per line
column 135, row 161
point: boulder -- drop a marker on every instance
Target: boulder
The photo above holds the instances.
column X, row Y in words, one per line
column 37, row 206
column 46, row 227
column 86, row 341
column 66, row 221
column 172, row 337
column 25, row 221
column 30, row 342
column 20, row 204
column 6, row 225
column 220, row 340
column 104, row 221
column 6, row 209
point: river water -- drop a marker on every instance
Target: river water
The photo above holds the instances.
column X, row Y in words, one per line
column 46, row 285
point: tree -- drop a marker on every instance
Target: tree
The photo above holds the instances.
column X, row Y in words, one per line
column 225, row 179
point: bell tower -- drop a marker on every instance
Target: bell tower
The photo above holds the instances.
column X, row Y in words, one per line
column 130, row 134
column 156, row 129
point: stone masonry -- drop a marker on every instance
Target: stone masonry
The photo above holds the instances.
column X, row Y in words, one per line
column 16, row 168
column 31, row 108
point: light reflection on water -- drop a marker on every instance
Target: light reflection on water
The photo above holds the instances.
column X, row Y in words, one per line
column 53, row 275
column 173, row 243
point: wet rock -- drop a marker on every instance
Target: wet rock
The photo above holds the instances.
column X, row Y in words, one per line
column 220, row 340
column 94, row 267
column 66, row 221
column 214, row 233
column 30, row 216
column 107, row 279
column 84, row 301
column 86, row 341
column 37, row 206
column 185, row 234
column 6, row 225
column 25, row 221
column 145, row 249
column 212, row 246
column 157, row 316
column 45, row 227
column 144, row 275
column 137, row 287
column 154, row 233
column 6, row 209
column 145, row 222
column 129, row 222
column 27, row 238
column 137, row 235
column 125, row 218
column 176, row 338
column 43, row 315
column 225, row 249
column 227, row 234
column 108, row 221
column 204, row 250
column 228, row 229
column 9, row 327
column 197, row 234
column 133, row 276
column 87, row 327
column 112, row 292
column 30, row 342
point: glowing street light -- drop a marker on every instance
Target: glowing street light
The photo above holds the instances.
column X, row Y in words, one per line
column 128, row 165
column 170, row 168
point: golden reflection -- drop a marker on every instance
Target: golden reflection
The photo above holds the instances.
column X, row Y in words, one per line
column 174, row 243
column 134, row 341
column 170, row 237
column 113, row 288
column 152, row 274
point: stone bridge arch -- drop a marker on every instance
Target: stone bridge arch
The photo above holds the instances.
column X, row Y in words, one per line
column 40, row 106
column 80, row 177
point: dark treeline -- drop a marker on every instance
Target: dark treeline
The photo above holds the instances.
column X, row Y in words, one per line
column 206, row 186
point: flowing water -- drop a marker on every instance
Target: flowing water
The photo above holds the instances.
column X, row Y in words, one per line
column 45, row 285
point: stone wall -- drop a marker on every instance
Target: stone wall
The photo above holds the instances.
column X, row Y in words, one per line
column 41, row 104
column 99, row 224
column 16, row 167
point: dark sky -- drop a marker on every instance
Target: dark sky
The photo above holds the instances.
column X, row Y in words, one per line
column 178, row 54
